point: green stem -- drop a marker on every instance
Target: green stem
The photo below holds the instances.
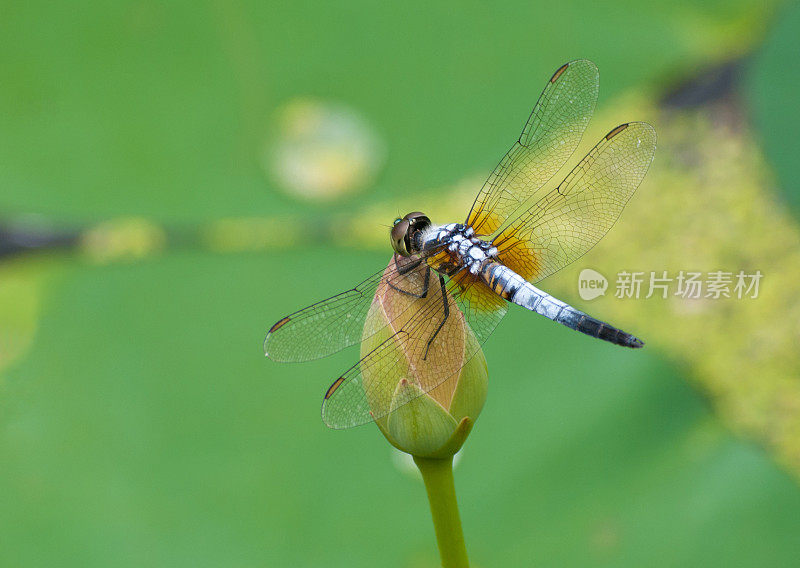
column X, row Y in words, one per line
column 438, row 477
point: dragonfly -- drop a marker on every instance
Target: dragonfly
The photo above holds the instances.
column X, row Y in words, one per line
column 448, row 286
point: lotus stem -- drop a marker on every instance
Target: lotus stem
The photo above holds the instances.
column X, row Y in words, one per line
column 438, row 477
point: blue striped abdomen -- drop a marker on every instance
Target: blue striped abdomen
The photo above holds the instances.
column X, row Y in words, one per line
column 508, row 284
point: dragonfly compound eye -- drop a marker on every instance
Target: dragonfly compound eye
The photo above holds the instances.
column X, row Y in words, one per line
column 399, row 236
column 407, row 231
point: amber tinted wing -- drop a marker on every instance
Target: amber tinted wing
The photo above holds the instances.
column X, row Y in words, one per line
column 425, row 345
column 329, row 326
column 549, row 138
column 572, row 218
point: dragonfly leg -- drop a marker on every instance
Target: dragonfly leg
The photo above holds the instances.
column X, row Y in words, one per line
column 407, row 268
column 444, row 319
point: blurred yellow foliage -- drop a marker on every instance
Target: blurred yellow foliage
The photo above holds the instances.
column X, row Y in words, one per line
column 122, row 239
column 708, row 203
column 21, row 285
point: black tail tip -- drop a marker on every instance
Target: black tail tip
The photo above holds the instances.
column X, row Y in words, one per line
column 635, row 343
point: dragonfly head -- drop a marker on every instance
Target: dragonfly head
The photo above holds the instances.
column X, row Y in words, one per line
column 406, row 232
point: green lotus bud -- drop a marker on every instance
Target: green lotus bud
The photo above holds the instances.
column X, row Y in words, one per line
column 433, row 423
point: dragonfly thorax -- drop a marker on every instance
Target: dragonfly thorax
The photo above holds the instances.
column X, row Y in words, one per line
column 464, row 248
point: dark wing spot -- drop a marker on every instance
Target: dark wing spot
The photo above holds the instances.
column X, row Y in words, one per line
column 558, row 72
column 616, row 131
column 279, row 324
column 333, row 387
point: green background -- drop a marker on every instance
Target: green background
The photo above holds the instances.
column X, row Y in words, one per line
column 144, row 426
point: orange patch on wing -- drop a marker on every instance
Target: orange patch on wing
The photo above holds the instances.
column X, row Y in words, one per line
column 484, row 222
column 520, row 257
column 441, row 259
column 465, row 279
column 477, row 293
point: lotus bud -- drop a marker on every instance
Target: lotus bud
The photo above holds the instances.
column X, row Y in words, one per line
column 415, row 413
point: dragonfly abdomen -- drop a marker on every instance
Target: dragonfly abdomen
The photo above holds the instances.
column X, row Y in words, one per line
column 506, row 283
column 501, row 279
column 580, row 321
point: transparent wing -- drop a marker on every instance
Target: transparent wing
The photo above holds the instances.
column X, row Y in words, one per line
column 569, row 220
column 428, row 342
column 329, row 326
column 549, row 138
